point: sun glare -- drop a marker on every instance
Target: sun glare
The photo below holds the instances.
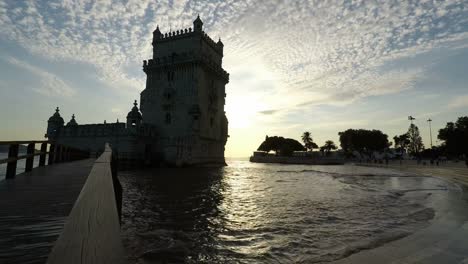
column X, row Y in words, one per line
column 240, row 112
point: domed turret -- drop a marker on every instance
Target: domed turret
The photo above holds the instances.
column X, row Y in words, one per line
column 54, row 124
column 197, row 24
column 72, row 121
column 134, row 117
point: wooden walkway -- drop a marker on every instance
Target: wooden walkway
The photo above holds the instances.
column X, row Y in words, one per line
column 34, row 207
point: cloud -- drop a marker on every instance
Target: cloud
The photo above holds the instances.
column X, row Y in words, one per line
column 458, row 102
column 269, row 112
column 284, row 58
column 50, row 84
column 311, row 47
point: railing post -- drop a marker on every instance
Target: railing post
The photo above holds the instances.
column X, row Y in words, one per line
column 58, row 153
column 42, row 157
column 51, row 154
column 30, row 160
column 71, row 154
column 11, row 166
column 65, row 153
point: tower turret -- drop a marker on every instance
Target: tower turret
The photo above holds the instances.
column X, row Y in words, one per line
column 134, row 117
column 72, row 121
column 197, row 24
column 156, row 34
column 54, row 124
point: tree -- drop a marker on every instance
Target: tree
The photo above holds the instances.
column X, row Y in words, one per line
column 455, row 137
column 363, row 141
column 401, row 143
column 415, row 141
column 280, row 145
column 328, row 147
column 308, row 142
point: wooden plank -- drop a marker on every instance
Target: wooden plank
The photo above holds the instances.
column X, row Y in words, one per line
column 34, row 207
column 92, row 231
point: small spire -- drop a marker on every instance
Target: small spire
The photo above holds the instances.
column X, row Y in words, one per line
column 135, row 103
column 117, row 120
column 105, row 122
column 157, row 31
column 57, row 109
column 73, row 116
column 197, row 24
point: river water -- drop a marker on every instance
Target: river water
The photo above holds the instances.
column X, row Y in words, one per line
column 271, row 213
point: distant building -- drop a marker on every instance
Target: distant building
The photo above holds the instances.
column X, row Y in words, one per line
column 182, row 119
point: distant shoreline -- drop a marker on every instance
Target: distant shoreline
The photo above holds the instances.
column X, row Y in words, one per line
column 298, row 160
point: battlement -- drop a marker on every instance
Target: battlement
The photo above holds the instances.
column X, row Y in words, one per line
column 106, row 130
column 181, row 35
column 185, row 57
column 218, row 46
column 186, row 33
column 172, row 34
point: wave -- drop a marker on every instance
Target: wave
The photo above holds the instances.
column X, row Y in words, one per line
column 371, row 243
column 425, row 214
column 337, row 174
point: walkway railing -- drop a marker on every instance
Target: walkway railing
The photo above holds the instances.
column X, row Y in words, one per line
column 92, row 230
column 56, row 152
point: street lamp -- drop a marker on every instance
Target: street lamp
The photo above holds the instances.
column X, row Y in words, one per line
column 430, row 130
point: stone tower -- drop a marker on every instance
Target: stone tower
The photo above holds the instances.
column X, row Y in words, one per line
column 185, row 96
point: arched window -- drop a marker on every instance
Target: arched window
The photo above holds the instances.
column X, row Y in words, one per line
column 168, row 118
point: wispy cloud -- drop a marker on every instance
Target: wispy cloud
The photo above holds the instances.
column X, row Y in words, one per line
column 459, row 102
column 284, row 57
column 50, row 84
column 310, row 46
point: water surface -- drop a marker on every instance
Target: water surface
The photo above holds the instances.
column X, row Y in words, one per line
column 271, row 213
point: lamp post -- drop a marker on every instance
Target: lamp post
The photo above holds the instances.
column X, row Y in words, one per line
column 430, row 130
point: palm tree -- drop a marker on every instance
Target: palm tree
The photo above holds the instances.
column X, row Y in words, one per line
column 329, row 146
column 308, row 142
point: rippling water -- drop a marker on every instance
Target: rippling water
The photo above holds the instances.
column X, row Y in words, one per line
column 269, row 213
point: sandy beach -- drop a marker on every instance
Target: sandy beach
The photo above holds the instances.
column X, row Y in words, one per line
column 445, row 240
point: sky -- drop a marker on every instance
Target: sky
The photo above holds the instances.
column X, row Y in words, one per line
column 295, row 66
